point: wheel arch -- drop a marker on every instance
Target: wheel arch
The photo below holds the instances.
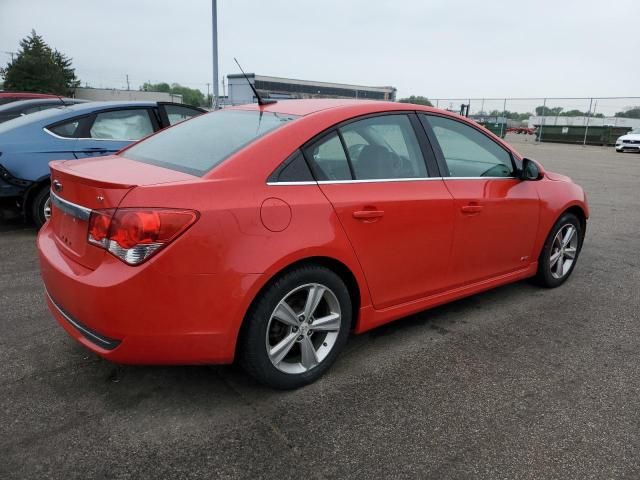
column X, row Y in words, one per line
column 579, row 212
column 333, row 264
column 32, row 191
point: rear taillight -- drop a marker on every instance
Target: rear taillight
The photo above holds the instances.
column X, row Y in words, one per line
column 133, row 235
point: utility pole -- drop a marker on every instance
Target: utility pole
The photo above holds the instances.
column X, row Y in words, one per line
column 128, row 82
column 214, row 44
column 208, row 92
column 586, row 130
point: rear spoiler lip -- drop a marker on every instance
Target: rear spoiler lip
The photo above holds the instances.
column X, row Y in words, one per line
column 59, row 166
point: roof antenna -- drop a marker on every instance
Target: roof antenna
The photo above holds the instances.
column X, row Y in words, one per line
column 261, row 101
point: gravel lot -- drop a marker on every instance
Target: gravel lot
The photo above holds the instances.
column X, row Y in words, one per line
column 518, row 382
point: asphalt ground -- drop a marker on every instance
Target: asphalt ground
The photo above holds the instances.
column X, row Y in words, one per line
column 519, row 382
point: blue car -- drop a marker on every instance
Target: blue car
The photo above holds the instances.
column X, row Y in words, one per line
column 29, row 143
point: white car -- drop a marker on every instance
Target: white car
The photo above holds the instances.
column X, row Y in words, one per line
column 629, row 142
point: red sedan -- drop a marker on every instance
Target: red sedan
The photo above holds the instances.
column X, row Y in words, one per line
column 267, row 233
column 8, row 97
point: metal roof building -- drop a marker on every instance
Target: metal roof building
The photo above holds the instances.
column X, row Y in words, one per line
column 289, row 88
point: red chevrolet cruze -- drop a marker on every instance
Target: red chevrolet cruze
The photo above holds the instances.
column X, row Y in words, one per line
column 268, row 233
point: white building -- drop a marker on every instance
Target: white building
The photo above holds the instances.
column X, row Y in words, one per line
column 106, row 94
column 288, row 88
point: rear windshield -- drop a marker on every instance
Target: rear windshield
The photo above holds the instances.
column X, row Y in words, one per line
column 199, row 144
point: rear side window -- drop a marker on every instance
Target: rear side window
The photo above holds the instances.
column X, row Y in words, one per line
column 293, row 169
column 197, row 146
column 384, row 147
column 69, row 129
column 177, row 113
column 329, row 160
column 130, row 124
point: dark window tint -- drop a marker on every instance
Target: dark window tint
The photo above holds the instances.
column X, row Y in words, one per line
column 130, row 124
column 69, row 129
column 384, row 147
column 294, row 169
column 199, row 145
column 329, row 160
column 468, row 152
column 178, row 113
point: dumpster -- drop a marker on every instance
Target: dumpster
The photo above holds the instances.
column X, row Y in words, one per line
column 497, row 128
column 596, row 135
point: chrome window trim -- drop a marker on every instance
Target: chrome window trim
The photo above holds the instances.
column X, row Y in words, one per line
column 90, row 138
column 73, row 209
column 384, row 180
column 479, row 178
column 306, row 182
column 379, row 180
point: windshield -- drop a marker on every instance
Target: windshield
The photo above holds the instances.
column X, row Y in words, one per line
column 635, row 131
column 199, row 144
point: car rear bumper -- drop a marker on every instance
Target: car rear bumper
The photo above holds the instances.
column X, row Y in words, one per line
column 142, row 315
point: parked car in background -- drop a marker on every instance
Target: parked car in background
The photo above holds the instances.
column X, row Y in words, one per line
column 8, row 97
column 629, row 142
column 12, row 110
column 268, row 233
column 29, row 143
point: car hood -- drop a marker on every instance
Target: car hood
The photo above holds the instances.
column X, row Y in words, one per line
column 630, row 136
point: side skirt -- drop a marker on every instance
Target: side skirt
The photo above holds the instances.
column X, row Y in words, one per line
column 372, row 318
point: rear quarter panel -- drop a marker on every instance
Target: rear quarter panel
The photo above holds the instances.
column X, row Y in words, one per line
column 231, row 239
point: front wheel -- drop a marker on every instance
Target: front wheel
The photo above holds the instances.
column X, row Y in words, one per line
column 296, row 328
column 560, row 252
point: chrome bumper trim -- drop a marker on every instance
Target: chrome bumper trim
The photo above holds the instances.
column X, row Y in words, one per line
column 100, row 340
column 78, row 211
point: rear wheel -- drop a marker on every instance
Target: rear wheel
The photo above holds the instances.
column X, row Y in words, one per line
column 560, row 252
column 40, row 208
column 296, row 328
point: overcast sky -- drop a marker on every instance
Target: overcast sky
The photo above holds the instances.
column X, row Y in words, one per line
column 436, row 48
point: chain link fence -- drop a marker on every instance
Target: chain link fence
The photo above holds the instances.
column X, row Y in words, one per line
column 581, row 120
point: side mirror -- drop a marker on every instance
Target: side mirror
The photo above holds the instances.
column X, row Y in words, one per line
column 531, row 170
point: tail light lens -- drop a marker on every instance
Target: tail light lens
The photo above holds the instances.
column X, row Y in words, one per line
column 133, row 235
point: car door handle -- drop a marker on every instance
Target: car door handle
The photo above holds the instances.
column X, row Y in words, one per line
column 367, row 214
column 471, row 209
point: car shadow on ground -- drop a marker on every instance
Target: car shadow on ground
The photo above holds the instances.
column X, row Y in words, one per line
column 189, row 381
column 227, row 382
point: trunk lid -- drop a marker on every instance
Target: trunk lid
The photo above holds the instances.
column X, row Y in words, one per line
column 80, row 186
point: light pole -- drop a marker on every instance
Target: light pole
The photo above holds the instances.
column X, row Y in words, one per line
column 214, row 43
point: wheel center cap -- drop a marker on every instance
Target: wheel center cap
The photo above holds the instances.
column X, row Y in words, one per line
column 304, row 328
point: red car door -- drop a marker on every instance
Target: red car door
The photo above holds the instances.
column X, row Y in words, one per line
column 496, row 214
column 398, row 219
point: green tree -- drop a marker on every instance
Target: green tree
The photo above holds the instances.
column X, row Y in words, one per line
column 633, row 112
column 417, row 100
column 39, row 68
column 191, row 96
column 542, row 110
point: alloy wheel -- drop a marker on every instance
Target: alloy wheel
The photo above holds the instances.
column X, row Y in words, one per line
column 303, row 328
column 563, row 250
column 46, row 209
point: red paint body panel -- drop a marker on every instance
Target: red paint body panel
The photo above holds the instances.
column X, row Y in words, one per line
column 25, row 95
column 431, row 244
column 496, row 236
column 400, row 250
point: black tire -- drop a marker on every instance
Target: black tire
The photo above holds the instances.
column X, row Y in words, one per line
column 545, row 277
column 37, row 206
column 253, row 341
